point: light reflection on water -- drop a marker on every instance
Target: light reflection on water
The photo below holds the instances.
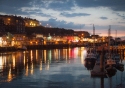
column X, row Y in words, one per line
column 54, row 68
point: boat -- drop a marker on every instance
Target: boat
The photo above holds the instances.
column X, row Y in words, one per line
column 92, row 55
column 89, row 64
column 119, row 67
column 116, row 57
column 113, row 61
column 111, row 71
column 110, row 63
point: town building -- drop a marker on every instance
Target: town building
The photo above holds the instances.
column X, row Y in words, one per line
column 16, row 24
column 13, row 24
column 31, row 22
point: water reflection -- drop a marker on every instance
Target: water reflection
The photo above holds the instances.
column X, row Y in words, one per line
column 48, row 68
column 25, row 60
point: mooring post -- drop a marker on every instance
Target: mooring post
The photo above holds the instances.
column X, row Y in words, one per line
column 102, row 82
column 122, row 54
column 102, row 60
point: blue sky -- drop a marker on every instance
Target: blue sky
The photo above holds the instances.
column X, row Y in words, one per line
column 72, row 14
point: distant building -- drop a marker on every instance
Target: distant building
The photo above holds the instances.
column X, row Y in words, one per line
column 13, row 24
column 31, row 22
column 16, row 24
column 95, row 36
column 83, row 34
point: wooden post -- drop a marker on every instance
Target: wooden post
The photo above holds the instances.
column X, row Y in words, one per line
column 102, row 61
column 122, row 54
column 102, row 82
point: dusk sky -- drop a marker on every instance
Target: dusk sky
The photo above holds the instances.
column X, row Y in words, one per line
column 72, row 14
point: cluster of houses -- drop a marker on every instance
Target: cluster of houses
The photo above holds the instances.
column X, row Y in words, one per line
column 12, row 33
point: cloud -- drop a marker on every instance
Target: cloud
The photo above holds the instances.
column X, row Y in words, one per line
column 115, row 5
column 13, row 6
column 61, row 24
column 74, row 14
column 121, row 22
column 61, row 5
column 121, row 15
column 15, row 3
column 103, row 18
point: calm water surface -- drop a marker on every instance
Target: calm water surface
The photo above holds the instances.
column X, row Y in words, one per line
column 55, row 68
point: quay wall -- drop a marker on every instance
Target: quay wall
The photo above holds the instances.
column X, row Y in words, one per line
column 51, row 46
column 57, row 46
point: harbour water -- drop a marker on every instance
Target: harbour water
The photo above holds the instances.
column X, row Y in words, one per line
column 53, row 68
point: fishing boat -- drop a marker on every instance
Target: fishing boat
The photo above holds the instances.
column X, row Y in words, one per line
column 119, row 67
column 92, row 55
column 116, row 55
column 110, row 63
column 89, row 64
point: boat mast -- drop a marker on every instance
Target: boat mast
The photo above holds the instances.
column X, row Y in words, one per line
column 116, row 38
column 94, row 37
column 116, row 33
column 109, row 40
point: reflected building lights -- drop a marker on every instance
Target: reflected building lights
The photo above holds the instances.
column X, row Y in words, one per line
column 24, row 59
column 36, row 55
column 13, row 57
column 76, row 52
column 1, row 63
column 56, row 54
column 59, row 54
column 31, row 55
column 50, row 56
column 31, row 71
column 66, row 54
column 82, row 56
column 26, row 73
column 4, row 61
column 9, row 75
column 44, row 56
column 69, row 53
column 40, row 65
column 47, row 65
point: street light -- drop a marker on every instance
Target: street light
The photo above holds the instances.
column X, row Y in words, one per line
column 40, row 23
